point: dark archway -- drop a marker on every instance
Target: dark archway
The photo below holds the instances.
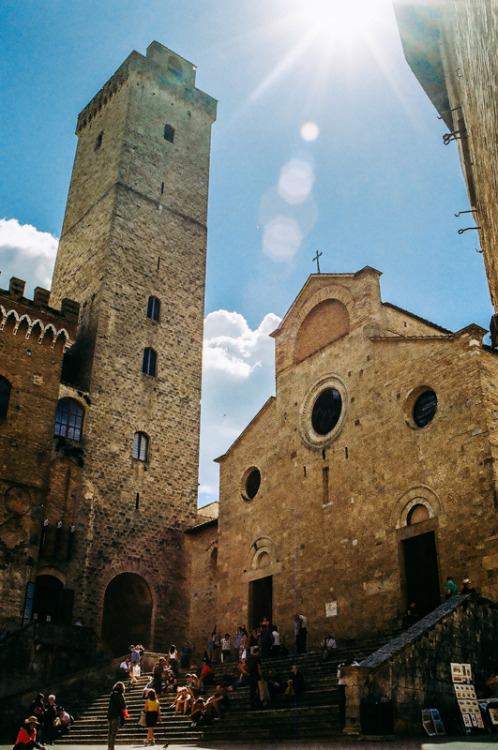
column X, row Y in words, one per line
column 47, row 599
column 127, row 613
column 260, row 600
column 421, row 572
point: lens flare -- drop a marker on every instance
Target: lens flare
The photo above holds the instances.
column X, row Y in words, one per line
column 310, row 131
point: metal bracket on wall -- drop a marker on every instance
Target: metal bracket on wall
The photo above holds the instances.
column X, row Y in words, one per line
column 461, row 231
column 447, row 111
column 453, row 136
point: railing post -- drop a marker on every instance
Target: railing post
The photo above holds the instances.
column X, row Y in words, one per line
column 356, row 689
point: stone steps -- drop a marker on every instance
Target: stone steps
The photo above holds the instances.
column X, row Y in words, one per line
column 315, row 716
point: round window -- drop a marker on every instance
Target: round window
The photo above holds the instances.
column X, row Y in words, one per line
column 251, row 484
column 323, row 412
column 326, row 411
column 424, row 408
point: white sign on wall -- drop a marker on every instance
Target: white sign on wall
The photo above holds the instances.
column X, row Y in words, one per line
column 331, row 609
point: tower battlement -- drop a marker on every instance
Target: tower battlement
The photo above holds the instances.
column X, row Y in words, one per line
column 35, row 318
column 40, row 304
column 173, row 72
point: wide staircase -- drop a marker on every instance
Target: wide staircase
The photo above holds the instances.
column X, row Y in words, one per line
column 314, row 716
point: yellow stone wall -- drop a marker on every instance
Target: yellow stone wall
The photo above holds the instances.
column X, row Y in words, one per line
column 331, row 514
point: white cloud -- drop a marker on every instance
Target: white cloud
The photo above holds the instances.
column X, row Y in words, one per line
column 231, row 347
column 22, row 246
column 238, row 377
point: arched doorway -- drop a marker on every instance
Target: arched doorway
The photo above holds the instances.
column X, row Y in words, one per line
column 47, row 599
column 421, row 563
column 127, row 613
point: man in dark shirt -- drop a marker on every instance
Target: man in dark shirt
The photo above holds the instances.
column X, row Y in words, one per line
column 253, row 664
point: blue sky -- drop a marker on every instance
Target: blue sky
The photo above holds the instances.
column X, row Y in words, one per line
column 370, row 184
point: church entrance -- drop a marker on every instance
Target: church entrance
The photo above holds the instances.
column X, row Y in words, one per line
column 127, row 613
column 260, row 600
column 421, row 572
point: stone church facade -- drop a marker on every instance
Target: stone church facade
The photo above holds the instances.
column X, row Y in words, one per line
column 370, row 475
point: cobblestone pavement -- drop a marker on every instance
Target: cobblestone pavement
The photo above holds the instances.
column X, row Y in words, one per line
column 416, row 743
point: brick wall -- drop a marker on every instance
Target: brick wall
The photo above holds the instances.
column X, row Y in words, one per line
column 33, row 337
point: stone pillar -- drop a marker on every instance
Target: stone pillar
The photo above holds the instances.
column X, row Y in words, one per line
column 356, row 684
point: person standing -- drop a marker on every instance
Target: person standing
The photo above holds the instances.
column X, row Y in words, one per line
column 173, row 659
column 300, row 632
column 152, row 716
column 226, row 648
column 266, row 639
column 329, row 647
column 276, row 641
column 186, row 654
column 158, row 675
column 253, row 665
column 135, row 665
column 115, row 713
column 50, row 720
column 450, row 589
column 37, row 709
column 236, row 643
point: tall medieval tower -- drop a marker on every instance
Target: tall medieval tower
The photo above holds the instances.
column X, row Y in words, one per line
column 133, row 254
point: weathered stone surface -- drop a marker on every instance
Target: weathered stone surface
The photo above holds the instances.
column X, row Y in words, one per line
column 451, row 48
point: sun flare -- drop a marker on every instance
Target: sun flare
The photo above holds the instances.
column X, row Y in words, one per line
column 339, row 17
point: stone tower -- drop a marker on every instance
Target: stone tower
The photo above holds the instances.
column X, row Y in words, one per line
column 133, row 254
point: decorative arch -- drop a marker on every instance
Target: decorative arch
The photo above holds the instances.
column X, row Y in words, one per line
column 421, row 495
column 262, row 554
column 325, row 323
column 12, row 317
column 333, row 292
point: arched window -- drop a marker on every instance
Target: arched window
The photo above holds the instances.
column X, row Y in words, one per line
column 149, row 362
column 153, row 308
column 169, row 133
column 140, row 446
column 68, row 419
column 4, row 397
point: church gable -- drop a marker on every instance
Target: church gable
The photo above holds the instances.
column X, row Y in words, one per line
column 328, row 308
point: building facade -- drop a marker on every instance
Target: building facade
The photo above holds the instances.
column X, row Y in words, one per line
column 451, row 47
column 369, row 477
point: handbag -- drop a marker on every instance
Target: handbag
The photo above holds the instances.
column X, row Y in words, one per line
column 264, row 693
column 136, row 670
column 142, row 721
